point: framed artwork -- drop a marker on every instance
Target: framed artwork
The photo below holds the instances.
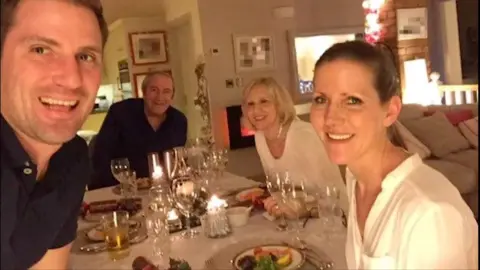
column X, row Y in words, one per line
column 412, row 23
column 138, row 80
column 148, row 47
column 253, row 53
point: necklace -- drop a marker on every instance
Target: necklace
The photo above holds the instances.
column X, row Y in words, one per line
column 280, row 131
column 279, row 135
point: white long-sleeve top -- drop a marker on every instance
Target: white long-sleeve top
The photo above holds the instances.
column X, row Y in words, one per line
column 304, row 156
column 418, row 221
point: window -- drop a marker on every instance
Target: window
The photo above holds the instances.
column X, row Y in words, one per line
column 308, row 49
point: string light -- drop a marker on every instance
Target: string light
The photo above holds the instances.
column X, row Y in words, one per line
column 373, row 28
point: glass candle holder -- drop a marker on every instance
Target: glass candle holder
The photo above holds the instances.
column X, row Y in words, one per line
column 215, row 221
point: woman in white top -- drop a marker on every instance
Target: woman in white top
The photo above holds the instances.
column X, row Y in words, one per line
column 284, row 142
column 403, row 214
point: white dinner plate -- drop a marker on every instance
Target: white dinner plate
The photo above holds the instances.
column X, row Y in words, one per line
column 297, row 257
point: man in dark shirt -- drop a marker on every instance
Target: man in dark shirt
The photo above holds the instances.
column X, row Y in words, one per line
column 50, row 73
column 135, row 127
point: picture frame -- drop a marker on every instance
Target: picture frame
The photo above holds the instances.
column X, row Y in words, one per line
column 253, row 53
column 148, row 48
column 138, row 80
column 412, row 23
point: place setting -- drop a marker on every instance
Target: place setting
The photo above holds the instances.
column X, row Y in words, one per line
column 185, row 201
column 286, row 249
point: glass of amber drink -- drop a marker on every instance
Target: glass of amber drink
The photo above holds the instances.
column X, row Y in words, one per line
column 116, row 226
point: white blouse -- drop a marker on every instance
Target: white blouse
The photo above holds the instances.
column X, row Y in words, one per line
column 304, row 156
column 418, row 221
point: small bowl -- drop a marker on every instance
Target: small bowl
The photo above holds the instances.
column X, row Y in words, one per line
column 238, row 216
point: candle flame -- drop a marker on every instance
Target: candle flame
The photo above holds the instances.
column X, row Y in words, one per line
column 216, row 202
column 157, row 172
column 172, row 215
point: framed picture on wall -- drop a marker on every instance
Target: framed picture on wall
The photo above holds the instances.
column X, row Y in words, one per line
column 148, row 47
column 253, row 53
column 412, row 23
column 138, row 80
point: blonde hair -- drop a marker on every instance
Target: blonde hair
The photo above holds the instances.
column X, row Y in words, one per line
column 281, row 98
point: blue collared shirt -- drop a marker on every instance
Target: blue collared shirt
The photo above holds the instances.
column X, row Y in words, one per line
column 126, row 133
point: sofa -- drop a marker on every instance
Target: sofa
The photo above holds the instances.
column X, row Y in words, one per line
column 446, row 137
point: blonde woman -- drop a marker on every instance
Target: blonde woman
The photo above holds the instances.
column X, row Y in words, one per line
column 283, row 141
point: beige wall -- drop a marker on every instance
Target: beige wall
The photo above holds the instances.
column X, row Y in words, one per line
column 183, row 21
column 313, row 16
column 176, row 9
column 115, row 50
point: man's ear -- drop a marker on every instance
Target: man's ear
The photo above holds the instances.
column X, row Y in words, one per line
column 394, row 106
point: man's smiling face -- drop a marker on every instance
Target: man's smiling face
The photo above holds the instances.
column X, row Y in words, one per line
column 51, row 69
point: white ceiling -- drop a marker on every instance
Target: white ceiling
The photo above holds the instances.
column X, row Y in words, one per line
column 116, row 9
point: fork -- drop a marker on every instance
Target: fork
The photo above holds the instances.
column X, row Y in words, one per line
column 209, row 264
column 310, row 255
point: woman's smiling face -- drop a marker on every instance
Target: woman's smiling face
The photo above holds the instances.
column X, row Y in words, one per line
column 346, row 110
column 260, row 108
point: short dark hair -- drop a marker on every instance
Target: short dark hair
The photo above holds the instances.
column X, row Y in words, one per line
column 382, row 66
column 9, row 8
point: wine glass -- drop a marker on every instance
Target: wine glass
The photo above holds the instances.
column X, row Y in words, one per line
column 207, row 175
column 185, row 192
column 120, row 168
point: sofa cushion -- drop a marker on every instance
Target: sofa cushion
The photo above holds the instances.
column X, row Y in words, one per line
column 454, row 107
column 469, row 129
column 428, row 130
column 412, row 144
column 471, row 124
column 455, row 116
column 411, row 111
column 467, row 158
column 463, row 178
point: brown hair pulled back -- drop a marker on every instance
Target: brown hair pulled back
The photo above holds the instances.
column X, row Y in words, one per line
column 382, row 66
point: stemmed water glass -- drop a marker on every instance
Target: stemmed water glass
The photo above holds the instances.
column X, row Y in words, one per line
column 156, row 220
column 219, row 159
column 185, row 192
column 330, row 212
column 294, row 199
column 120, row 168
column 274, row 181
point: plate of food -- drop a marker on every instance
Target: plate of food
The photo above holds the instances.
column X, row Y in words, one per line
column 93, row 212
column 249, row 194
column 96, row 234
column 269, row 257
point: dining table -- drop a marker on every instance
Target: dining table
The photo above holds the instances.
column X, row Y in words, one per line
column 198, row 250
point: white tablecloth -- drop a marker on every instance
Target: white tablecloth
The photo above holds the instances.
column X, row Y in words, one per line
column 197, row 250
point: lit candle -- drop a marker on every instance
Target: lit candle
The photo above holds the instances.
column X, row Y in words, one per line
column 215, row 204
column 216, row 221
column 172, row 215
column 157, row 173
